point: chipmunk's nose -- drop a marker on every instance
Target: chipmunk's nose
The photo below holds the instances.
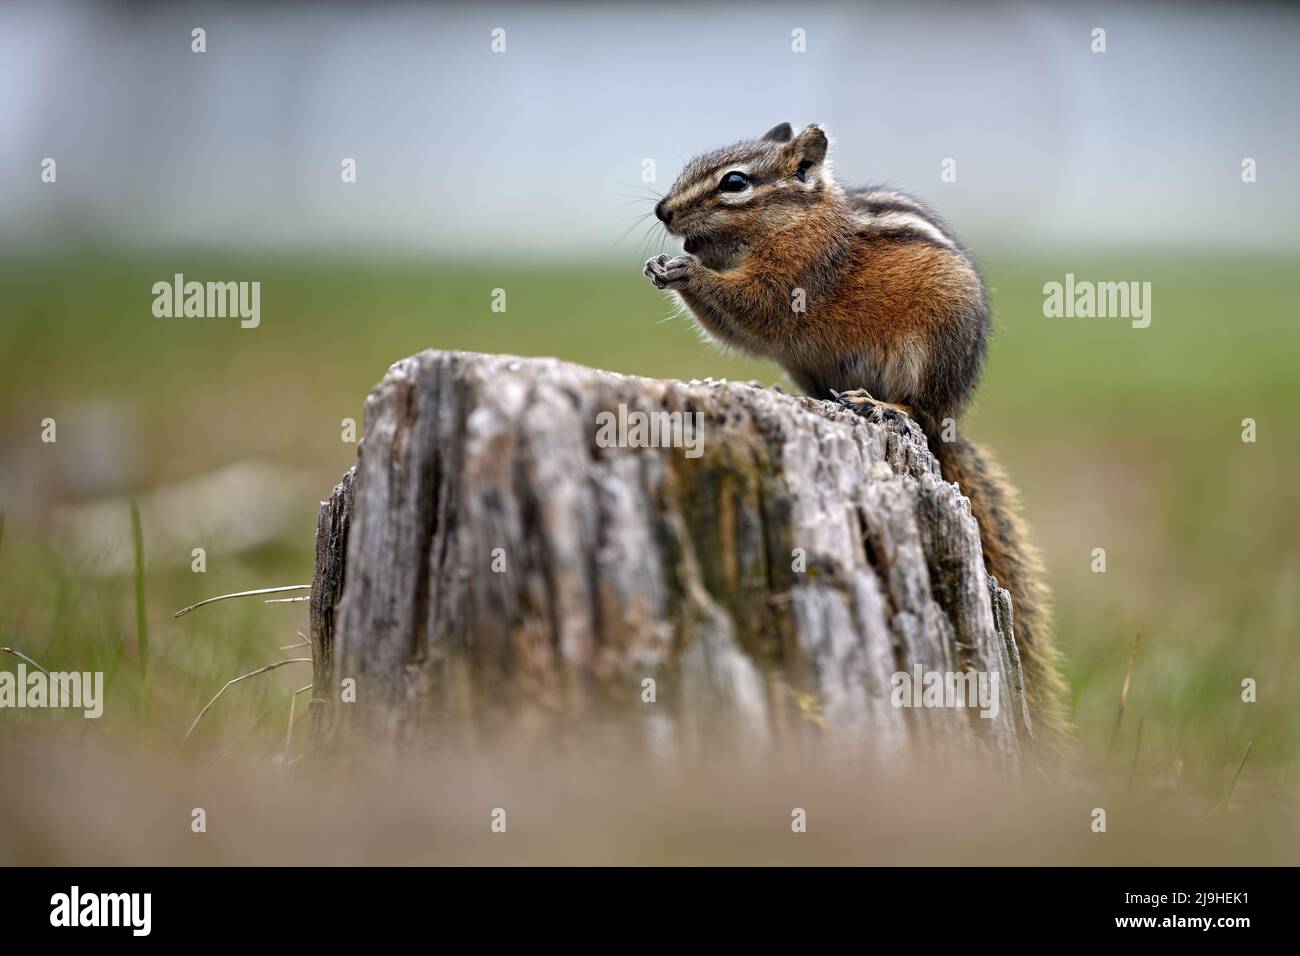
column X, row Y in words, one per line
column 663, row 212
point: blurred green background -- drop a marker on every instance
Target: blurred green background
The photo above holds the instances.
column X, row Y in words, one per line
column 518, row 168
column 1120, row 438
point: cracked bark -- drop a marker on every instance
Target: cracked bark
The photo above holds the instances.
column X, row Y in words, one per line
column 490, row 571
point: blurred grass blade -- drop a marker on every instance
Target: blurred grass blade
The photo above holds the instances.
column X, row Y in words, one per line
column 1137, row 751
column 1227, row 798
column 293, row 710
column 225, row 597
column 141, row 619
column 236, row 680
column 1123, row 696
column 17, row 653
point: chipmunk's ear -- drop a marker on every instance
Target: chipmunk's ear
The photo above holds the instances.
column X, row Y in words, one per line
column 807, row 151
column 779, row 134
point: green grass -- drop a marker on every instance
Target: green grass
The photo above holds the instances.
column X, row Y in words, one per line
column 141, row 614
column 1120, row 438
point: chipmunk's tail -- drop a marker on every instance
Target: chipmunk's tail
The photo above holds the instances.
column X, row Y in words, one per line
column 1011, row 557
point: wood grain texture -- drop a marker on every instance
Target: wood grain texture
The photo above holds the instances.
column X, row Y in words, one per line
column 614, row 565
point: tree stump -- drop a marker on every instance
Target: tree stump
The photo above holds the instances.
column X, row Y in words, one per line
column 498, row 566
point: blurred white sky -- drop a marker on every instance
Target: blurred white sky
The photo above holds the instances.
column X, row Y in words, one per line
column 532, row 151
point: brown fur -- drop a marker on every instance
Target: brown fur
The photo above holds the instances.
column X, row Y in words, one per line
column 892, row 304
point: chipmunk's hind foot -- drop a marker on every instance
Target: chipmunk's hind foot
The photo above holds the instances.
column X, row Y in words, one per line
column 869, row 407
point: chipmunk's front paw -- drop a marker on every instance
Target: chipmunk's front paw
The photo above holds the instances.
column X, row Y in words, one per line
column 669, row 271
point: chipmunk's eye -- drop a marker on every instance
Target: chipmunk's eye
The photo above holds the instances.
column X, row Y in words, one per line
column 733, row 183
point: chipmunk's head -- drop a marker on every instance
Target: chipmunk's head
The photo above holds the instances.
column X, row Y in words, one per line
column 729, row 195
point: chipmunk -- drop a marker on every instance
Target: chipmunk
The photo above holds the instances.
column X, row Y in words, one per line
column 894, row 319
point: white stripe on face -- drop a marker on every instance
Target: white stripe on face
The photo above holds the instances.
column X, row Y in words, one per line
column 737, row 199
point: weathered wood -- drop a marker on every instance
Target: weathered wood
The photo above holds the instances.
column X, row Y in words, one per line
column 326, row 589
column 503, row 573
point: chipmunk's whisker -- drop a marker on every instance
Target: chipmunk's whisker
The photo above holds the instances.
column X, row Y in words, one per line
column 648, row 239
column 653, row 192
column 637, row 220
